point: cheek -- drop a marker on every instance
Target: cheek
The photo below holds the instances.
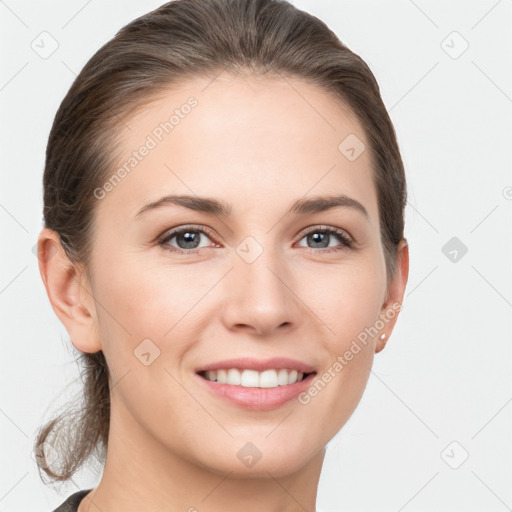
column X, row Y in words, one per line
column 345, row 299
column 146, row 296
column 349, row 309
column 148, row 307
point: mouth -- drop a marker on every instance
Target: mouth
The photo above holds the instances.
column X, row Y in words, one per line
column 255, row 390
column 248, row 378
column 254, row 373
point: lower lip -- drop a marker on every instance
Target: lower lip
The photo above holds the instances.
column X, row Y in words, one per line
column 258, row 399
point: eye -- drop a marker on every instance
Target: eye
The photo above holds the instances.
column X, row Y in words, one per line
column 320, row 237
column 188, row 239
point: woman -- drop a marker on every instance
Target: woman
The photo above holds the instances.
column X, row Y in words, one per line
column 224, row 215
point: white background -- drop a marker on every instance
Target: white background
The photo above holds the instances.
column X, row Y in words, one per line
column 446, row 373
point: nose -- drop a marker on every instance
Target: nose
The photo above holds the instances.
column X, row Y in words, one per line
column 259, row 296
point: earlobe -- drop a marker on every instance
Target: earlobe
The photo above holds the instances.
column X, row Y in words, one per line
column 396, row 290
column 381, row 343
column 69, row 293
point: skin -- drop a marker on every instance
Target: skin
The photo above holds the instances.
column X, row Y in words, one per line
column 258, row 144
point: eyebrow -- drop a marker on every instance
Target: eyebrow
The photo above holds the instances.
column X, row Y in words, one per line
column 221, row 208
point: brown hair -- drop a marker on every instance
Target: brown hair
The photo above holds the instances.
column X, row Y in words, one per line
column 178, row 40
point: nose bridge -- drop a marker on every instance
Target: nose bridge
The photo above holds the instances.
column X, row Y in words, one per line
column 257, row 264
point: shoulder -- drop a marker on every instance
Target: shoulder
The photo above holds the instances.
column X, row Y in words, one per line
column 72, row 502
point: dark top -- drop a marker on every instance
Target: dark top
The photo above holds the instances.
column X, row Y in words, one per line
column 71, row 504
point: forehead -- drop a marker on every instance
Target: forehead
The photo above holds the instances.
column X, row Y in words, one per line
column 277, row 138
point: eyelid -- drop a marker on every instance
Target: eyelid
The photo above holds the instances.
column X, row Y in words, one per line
column 324, row 227
column 169, row 233
column 210, row 233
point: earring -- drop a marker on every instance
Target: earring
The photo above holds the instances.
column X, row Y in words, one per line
column 383, row 336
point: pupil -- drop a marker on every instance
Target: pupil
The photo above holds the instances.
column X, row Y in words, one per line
column 188, row 236
column 315, row 236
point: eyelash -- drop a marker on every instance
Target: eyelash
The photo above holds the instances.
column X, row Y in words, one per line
column 346, row 241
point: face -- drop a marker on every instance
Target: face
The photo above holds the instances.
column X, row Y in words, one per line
column 260, row 280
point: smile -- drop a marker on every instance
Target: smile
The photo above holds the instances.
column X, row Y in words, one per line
column 254, row 379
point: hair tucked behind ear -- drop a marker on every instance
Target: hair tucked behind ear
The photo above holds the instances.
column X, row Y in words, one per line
column 180, row 40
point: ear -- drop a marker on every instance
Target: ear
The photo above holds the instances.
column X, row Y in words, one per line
column 69, row 291
column 396, row 289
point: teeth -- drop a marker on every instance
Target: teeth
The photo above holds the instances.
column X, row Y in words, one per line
column 255, row 379
column 233, row 376
column 282, row 377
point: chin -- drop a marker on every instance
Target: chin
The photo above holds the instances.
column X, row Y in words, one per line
column 248, row 459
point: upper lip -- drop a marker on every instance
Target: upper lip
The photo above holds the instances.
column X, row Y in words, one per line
column 259, row 364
